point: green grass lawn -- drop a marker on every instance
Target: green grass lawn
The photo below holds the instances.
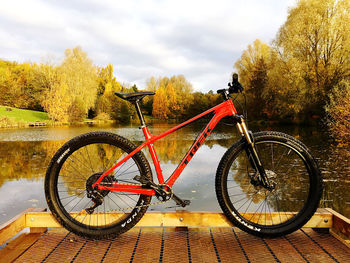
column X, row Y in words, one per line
column 19, row 115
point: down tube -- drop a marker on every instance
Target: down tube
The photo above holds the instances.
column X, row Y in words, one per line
column 194, row 148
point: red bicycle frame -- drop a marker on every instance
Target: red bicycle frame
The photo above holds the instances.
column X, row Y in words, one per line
column 220, row 111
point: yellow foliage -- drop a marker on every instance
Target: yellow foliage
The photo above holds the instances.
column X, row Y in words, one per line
column 339, row 112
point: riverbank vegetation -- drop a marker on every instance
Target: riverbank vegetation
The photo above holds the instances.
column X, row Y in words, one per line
column 303, row 75
column 10, row 117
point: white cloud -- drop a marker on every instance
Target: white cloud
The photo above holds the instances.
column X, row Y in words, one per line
column 199, row 39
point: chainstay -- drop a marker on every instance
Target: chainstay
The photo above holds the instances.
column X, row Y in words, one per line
column 141, row 206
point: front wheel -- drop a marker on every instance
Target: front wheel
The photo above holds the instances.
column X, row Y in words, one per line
column 290, row 169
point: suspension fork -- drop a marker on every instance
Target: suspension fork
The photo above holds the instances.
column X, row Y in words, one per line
column 252, row 154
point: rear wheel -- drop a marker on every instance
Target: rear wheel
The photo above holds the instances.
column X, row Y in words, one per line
column 290, row 169
column 78, row 165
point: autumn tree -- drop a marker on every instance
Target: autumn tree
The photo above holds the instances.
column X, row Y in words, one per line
column 315, row 41
column 160, row 104
column 107, row 102
column 17, row 87
column 310, row 56
column 173, row 104
column 253, row 67
column 76, row 87
column 338, row 110
column 176, row 95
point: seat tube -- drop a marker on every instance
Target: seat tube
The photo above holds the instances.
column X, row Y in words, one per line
column 153, row 155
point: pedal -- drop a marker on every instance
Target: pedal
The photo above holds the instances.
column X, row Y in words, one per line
column 180, row 201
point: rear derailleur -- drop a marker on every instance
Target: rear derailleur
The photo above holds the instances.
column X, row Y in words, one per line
column 96, row 195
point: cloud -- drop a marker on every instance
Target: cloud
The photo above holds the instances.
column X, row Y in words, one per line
column 199, row 39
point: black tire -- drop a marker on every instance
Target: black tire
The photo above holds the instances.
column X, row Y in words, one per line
column 289, row 165
column 78, row 164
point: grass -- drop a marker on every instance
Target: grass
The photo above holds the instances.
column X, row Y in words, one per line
column 23, row 115
column 13, row 117
column 21, row 118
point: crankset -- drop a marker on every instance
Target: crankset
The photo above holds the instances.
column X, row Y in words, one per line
column 163, row 191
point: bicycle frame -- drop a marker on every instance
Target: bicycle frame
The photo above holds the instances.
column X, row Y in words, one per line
column 220, row 111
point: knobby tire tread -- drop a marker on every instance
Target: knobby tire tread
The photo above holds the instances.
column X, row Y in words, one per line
column 75, row 142
column 308, row 213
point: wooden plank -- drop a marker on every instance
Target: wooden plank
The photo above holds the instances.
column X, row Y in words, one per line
column 254, row 247
column 37, row 229
column 308, row 249
column 227, row 245
column 13, row 226
column 17, row 246
column 121, row 249
column 338, row 250
column 66, row 250
column 283, row 250
column 149, row 245
column 175, row 245
column 178, row 218
column 93, row 251
column 341, row 224
column 42, row 248
column 201, row 246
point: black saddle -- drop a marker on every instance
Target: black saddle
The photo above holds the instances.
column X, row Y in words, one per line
column 134, row 96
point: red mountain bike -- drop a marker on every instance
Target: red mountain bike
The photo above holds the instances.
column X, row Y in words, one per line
column 99, row 184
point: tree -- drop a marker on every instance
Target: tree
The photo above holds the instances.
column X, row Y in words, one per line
column 338, row 110
column 316, row 39
column 173, row 105
column 106, row 101
column 17, row 85
column 178, row 96
column 253, row 67
column 76, row 87
column 160, row 104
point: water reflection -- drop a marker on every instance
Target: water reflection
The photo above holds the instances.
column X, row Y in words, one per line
column 26, row 153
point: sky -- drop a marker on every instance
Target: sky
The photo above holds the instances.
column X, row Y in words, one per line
column 142, row 38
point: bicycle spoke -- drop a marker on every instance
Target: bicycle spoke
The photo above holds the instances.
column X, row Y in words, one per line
column 80, row 162
column 125, row 170
column 86, row 161
column 282, row 156
column 121, row 199
column 114, row 202
column 87, row 152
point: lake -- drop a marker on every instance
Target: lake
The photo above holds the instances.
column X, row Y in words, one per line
column 25, row 154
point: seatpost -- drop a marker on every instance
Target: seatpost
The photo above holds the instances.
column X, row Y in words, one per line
column 139, row 113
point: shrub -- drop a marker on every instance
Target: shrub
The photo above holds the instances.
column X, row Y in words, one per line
column 338, row 112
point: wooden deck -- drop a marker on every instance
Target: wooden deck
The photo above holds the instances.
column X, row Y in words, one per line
column 176, row 237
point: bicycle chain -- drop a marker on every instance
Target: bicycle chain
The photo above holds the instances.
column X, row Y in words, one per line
column 140, row 206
